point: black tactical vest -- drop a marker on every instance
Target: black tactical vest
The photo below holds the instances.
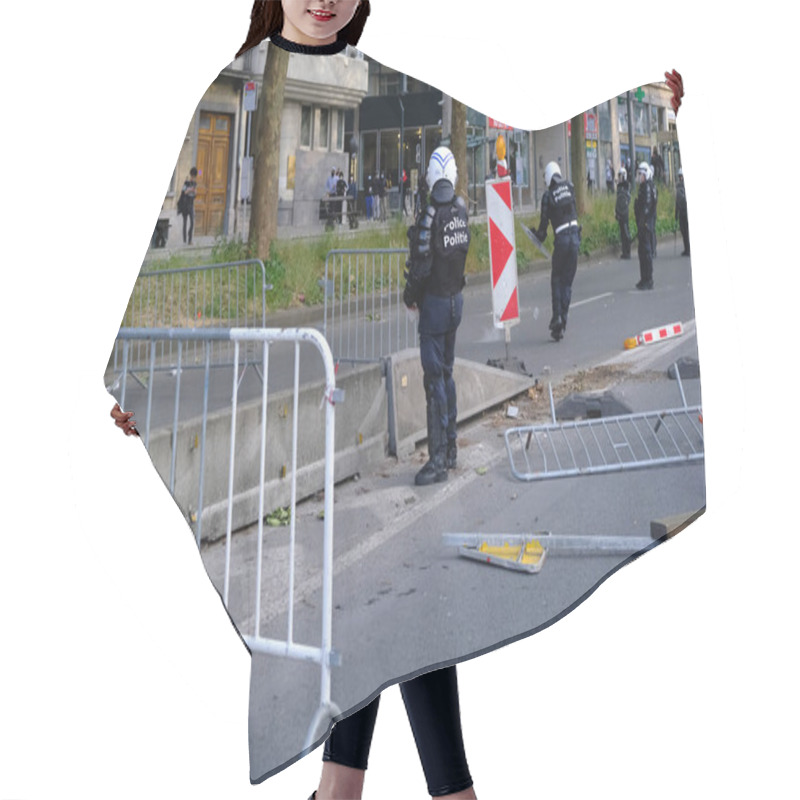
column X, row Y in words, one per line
column 450, row 243
column 561, row 208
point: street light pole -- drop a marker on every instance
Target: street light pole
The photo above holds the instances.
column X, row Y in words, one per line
column 631, row 140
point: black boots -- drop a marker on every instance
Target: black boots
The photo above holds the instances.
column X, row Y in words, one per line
column 452, row 454
column 435, row 471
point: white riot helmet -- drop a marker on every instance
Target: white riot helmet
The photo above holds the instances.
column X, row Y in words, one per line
column 623, row 174
column 441, row 165
column 643, row 170
column 551, row 169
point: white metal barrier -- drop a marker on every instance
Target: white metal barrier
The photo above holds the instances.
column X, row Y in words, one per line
column 365, row 317
column 226, row 295
column 322, row 654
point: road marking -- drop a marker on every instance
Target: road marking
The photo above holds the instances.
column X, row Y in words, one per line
column 591, row 299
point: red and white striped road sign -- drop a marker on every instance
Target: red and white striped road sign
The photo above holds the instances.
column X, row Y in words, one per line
column 502, row 254
column 655, row 335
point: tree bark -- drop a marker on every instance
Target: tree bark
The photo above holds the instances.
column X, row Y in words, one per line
column 577, row 148
column 267, row 148
column 458, row 145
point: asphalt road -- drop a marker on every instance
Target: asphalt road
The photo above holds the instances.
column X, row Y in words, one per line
column 404, row 602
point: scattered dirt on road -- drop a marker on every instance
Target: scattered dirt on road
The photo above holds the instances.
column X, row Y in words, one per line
column 534, row 405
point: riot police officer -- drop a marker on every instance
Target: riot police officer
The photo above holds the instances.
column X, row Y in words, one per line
column 651, row 177
column 681, row 214
column 643, row 209
column 622, row 212
column 438, row 245
column 558, row 208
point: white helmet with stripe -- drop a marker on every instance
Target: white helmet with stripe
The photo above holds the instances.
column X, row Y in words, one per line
column 549, row 171
column 441, row 165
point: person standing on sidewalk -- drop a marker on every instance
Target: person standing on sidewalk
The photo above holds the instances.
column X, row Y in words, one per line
column 558, row 208
column 643, row 209
column 622, row 212
column 439, row 242
column 186, row 204
column 681, row 213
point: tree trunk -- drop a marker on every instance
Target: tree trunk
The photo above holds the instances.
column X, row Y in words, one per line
column 267, row 148
column 458, row 144
column 577, row 148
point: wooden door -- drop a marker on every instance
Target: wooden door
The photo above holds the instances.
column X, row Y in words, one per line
column 213, row 148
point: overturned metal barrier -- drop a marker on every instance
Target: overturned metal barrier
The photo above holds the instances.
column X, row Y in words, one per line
column 264, row 339
column 610, row 444
column 228, row 295
column 365, row 318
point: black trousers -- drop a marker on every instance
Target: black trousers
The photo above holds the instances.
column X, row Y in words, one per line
column 431, row 702
column 645, row 255
column 625, row 236
column 190, row 216
column 683, row 221
column 565, row 265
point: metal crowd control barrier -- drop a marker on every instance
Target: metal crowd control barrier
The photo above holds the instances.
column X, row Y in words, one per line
column 365, row 317
column 228, row 295
column 610, row 444
column 265, row 337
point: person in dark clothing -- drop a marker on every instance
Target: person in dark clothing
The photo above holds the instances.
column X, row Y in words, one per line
column 341, row 189
column 439, row 242
column 653, row 239
column 186, row 204
column 558, row 208
column 622, row 212
column 432, row 705
column 382, row 197
column 643, row 209
column 681, row 214
column 352, row 203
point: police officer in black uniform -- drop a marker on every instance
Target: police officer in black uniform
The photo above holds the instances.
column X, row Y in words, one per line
column 438, row 244
column 651, row 177
column 558, row 208
column 643, row 210
column 622, row 212
column 681, row 213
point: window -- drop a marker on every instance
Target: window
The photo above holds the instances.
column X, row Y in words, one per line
column 324, row 129
column 604, row 120
column 622, row 117
column 640, row 119
column 654, row 119
column 305, row 126
column 339, row 141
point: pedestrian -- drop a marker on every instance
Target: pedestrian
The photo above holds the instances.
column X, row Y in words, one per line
column 431, row 702
column 643, row 212
column 609, row 176
column 341, row 190
column 681, row 213
column 558, row 209
column 369, row 198
column 438, row 246
column 186, row 204
column 651, row 173
column 382, row 197
column 431, row 699
column 622, row 212
column 352, row 203
column 403, row 191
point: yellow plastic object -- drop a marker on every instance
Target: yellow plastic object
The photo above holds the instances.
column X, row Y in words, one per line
column 525, row 556
column 500, row 146
column 631, row 343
